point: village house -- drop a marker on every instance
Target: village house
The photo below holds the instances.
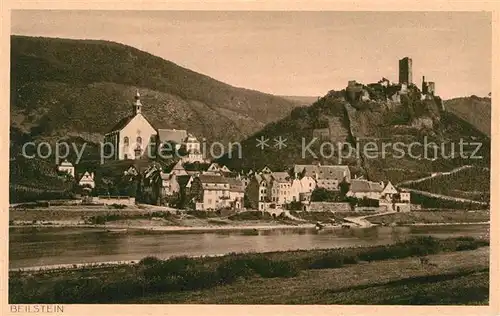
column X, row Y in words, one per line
column 182, row 139
column 87, row 180
column 301, row 189
column 169, row 184
column 266, row 169
column 389, row 192
column 258, row 191
column 244, row 179
column 180, row 185
column 67, row 167
column 295, row 190
column 236, row 193
column 210, row 192
column 281, row 192
column 385, row 194
column 324, row 176
column 178, row 169
column 404, row 196
column 270, row 190
column 361, row 188
column 194, row 153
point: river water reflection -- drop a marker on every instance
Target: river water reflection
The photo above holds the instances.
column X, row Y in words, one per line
column 30, row 247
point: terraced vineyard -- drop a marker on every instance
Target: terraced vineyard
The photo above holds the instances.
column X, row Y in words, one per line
column 471, row 183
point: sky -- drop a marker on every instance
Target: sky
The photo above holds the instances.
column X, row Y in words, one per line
column 293, row 53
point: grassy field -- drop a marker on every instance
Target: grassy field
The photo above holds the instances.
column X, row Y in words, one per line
column 346, row 276
column 456, row 280
column 435, row 216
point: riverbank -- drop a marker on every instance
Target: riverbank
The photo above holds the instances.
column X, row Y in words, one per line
column 152, row 218
column 142, row 217
column 432, row 217
column 177, row 229
column 191, row 280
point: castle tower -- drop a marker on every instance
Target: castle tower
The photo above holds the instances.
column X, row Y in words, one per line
column 405, row 71
column 431, row 87
column 424, row 86
column 137, row 103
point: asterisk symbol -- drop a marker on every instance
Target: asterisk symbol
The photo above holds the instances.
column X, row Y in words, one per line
column 280, row 142
column 262, row 142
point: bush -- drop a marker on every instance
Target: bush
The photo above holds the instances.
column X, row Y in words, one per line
column 250, row 215
column 202, row 214
column 166, row 268
column 271, row 269
column 327, row 261
column 424, row 245
column 468, row 246
column 149, row 261
column 324, row 195
column 198, row 278
column 118, row 206
column 233, row 269
column 350, row 259
column 122, row 289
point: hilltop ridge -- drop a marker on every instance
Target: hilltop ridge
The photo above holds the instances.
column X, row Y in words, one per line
column 62, row 87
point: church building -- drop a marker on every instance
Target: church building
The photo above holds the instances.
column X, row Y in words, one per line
column 133, row 137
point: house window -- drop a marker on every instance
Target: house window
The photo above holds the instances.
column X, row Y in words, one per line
column 125, row 141
column 139, row 140
column 126, row 156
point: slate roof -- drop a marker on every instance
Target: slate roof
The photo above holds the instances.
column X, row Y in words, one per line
column 323, row 172
column 205, row 178
column 236, row 185
column 265, row 176
column 280, row 176
column 358, row 185
column 183, row 180
column 173, row 135
column 196, row 166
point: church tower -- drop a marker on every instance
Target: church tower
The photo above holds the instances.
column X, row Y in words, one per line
column 137, row 103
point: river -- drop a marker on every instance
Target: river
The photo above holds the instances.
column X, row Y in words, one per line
column 32, row 247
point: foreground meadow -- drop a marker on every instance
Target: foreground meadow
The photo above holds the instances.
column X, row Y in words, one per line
column 457, row 273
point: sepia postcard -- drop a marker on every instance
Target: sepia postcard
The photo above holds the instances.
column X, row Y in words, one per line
column 249, row 158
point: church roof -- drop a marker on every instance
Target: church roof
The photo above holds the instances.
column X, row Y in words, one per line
column 121, row 124
column 174, row 135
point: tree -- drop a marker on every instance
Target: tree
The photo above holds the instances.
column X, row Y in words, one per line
column 323, row 195
column 152, row 178
column 344, row 188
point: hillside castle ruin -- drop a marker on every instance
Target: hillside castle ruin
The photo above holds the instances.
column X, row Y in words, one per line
column 384, row 90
